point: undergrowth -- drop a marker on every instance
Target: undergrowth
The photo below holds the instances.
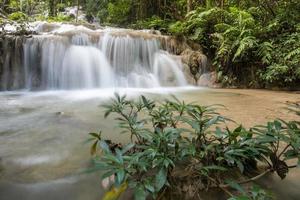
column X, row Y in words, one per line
column 179, row 150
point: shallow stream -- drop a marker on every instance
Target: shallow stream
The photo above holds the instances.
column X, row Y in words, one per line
column 43, row 154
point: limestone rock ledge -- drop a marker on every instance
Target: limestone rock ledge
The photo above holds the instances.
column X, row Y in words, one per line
column 195, row 63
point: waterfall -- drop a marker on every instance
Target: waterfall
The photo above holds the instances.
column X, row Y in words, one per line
column 84, row 59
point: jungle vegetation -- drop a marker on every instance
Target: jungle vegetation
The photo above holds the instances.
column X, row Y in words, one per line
column 253, row 43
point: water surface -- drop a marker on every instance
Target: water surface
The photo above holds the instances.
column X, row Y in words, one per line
column 42, row 134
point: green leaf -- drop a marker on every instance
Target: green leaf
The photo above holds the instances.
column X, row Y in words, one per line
column 96, row 135
column 94, row 148
column 106, row 114
column 140, row 194
column 160, row 179
column 236, row 186
column 215, row 167
column 291, row 154
column 240, row 198
column 107, row 174
column 120, row 176
column 150, row 188
column 240, row 166
column 119, row 155
column 127, row 148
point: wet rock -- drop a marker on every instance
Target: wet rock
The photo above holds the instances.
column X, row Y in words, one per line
column 154, row 32
column 196, row 61
column 175, row 45
column 188, row 75
column 47, row 27
column 208, row 80
column 11, row 74
column 60, row 113
column 193, row 59
column 64, row 115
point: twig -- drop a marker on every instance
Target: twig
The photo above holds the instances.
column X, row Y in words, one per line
column 222, row 188
column 161, row 194
column 287, row 146
column 226, row 191
column 277, row 147
column 293, row 166
column 248, row 180
column 270, row 165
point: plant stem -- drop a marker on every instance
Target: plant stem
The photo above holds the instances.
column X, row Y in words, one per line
column 248, row 180
column 270, row 165
column 287, row 146
column 293, row 166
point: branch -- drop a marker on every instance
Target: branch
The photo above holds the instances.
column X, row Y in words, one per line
column 248, row 180
column 270, row 165
column 2, row 14
column 222, row 188
column 287, row 146
column 293, row 166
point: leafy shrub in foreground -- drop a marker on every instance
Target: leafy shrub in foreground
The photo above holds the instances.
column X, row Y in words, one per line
column 180, row 149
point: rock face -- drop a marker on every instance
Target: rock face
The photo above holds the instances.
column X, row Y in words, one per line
column 208, row 79
column 11, row 74
column 194, row 61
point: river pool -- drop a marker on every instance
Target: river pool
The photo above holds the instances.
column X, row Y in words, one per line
column 43, row 153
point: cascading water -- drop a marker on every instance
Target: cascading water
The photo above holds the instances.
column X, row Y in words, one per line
column 81, row 58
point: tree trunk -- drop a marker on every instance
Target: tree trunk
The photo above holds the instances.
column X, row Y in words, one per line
column 21, row 5
column 189, row 5
column 222, row 4
column 208, row 4
column 165, row 6
column 77, row 11
column 52, row 8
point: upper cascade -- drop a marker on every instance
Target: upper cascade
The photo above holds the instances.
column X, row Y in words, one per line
column 75, row 57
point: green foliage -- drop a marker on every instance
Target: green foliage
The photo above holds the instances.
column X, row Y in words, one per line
column 118, row 12
column 59, row 18
column 61, row 7
column 248, row 39
column 176, row 28
column 234, row 40
column 284, row 64
column 265, row 52
column 200, row 24
column 173, row 142
column 18, row 16
column 137, row 13
column 154, row 22
column 256, row 193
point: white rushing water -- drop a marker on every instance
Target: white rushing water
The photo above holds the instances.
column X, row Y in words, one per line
column 69, row 57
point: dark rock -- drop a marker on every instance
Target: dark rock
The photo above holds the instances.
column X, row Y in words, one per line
column 196, row 61
column 11, row 74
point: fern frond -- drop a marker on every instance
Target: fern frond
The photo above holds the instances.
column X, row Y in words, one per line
column 265, row 52
column 292, row 54
column 245, row 44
